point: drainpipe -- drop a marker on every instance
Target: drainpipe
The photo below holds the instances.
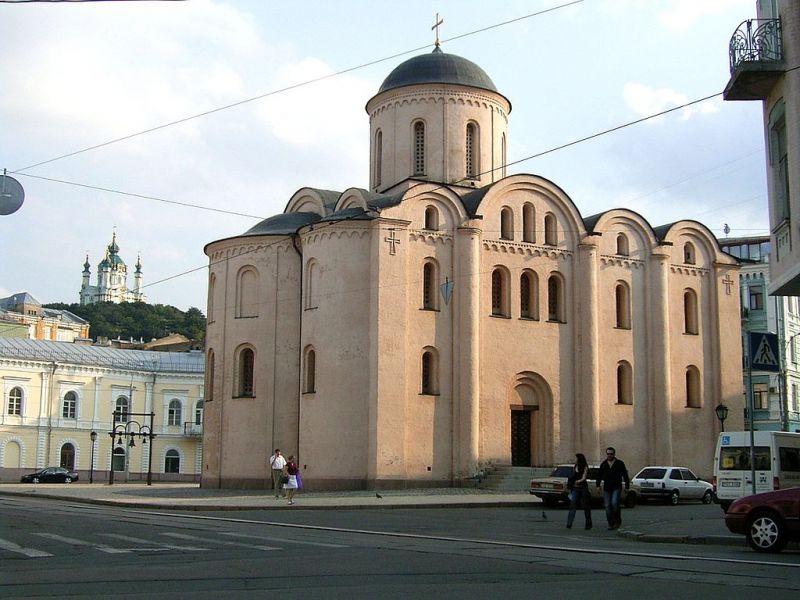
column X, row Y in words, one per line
column 48, row 440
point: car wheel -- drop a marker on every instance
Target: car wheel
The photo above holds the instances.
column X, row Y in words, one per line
column 707, row 497
column 766, row 532
column 67, row 479
column 674, row 497
column 35, row 480
column 631, row 499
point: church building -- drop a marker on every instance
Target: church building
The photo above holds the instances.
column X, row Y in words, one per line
column 112, row 279
column 451, row 317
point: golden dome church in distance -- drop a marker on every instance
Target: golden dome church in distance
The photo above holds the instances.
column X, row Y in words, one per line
column 449, row 318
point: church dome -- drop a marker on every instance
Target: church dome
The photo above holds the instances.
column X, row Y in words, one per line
column 438, row 67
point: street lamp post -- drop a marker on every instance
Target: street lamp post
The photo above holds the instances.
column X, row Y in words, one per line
column 722, row 414
column 93, row 437
column 130, row 430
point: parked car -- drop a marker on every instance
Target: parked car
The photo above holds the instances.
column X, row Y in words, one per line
column 51, row 475
column 769, row 520
column 673, row 484
column 553, row 489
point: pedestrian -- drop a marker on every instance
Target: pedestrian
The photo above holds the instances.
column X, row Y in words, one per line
column 290, row 486
column 612, row 474
column 277, row 464
column 580, row 495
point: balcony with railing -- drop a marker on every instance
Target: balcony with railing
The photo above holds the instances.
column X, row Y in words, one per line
column 192, row 429
column 756, row 59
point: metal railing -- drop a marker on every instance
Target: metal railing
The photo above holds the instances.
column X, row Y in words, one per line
column 192, row 429
column 756, row 40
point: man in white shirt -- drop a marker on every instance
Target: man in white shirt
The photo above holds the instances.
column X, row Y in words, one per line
column 277, row 463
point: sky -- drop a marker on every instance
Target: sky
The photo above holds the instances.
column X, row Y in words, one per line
column 78, row 76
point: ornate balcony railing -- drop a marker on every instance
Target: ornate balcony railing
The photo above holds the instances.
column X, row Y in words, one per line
column 191, row 429
column 756, row 40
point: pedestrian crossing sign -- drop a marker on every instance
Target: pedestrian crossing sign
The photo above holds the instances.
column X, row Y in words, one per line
column 764, row 350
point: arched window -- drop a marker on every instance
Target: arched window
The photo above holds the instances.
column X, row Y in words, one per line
column 67, row 458
column 118, row 459
column 174, row 411
column 555, row 299
column 172, row 461
column 209, row 391
column 622, row 297
column 247, row 293
column 70, row 405
column 624, row 383
column 622, row 245
column 121, row 410
column 378, row 156
column 693, row 394
column 310, row 371
column 419, row 148
column 430, row 372
column 690, row 320
column 15, row 401
column 473, row 166
column 500, row 293
column 198, row 412
column 529, row 295
column 431, row 218
column 246, row 364
column 506, row 223
column 310, row 284
column 429, row 281
column 688, row 253
column 528, row 223
column 550, row 234
column 212, row 284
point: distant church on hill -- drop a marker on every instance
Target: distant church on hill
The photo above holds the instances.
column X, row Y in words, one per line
column 112, row 279
column 450, row 318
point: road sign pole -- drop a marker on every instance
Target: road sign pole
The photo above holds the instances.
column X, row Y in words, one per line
column 751, row 410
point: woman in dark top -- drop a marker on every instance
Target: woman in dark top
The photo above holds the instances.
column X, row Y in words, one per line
column 580, row 495
column 290, row 486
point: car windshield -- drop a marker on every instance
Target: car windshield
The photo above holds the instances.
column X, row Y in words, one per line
column 562, row 471
column 651, row 473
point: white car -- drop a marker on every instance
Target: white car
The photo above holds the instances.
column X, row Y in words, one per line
column 673, row 484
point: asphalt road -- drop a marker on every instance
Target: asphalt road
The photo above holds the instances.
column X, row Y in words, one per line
column 58, row 549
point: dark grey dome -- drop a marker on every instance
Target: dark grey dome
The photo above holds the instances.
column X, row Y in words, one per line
column 438, row 67
column 283, row 224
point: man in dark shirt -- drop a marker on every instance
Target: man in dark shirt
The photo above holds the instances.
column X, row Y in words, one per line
column 612, row 473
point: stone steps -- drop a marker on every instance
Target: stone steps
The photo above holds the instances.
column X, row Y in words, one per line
column 506, row 478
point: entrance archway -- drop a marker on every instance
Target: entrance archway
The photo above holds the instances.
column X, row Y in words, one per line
column 531, row 423
column 67, row 456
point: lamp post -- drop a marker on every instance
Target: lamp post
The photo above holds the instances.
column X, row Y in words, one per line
column 93, row 437
column 722, row 414
column 130, row 430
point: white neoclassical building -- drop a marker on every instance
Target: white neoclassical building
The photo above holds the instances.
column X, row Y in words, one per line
column 112, row 279
column 451, row 317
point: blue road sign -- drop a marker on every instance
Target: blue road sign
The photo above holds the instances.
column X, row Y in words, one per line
column 764, row 350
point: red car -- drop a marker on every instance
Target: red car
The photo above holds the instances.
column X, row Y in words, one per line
column 769, row 520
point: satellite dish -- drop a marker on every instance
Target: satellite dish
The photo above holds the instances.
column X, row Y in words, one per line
column 11, row 195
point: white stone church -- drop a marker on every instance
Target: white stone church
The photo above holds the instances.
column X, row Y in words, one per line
column 450, row 318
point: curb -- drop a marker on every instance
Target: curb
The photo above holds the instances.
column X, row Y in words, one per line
column 655, row 538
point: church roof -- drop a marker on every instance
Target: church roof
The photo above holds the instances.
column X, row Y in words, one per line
column 438, row 67
column 283, row 224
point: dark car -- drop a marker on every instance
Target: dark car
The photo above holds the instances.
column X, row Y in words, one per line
column 769, row 520
column 51, row 475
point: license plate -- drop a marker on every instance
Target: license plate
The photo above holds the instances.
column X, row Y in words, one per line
column 731, row 484
column 647, row 484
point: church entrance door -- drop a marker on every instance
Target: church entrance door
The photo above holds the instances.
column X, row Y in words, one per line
column 521, row 438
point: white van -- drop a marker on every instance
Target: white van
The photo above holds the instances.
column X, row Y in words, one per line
column 777, row 463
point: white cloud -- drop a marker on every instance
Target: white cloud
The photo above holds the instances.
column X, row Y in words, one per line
column 646, row 100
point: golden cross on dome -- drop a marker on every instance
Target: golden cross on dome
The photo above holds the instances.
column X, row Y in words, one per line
column 436, row 27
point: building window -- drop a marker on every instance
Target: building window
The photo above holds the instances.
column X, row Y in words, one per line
column 431, row 218
column 778, row 161
column 212, row 284
column 756, row 298
column 198, row 412
column 419, row 148
column 528, row 223
column 506, row 223
column 500, row 293
column 795, row 398
column 555, row 299
column 622, row 297
column 121, row 410
column 690, row 317
column 525, row 295
column 67, row 458
column 429, row 279
column 692, row 387
column 793, row 349
column 174, row 412
column 310, row 372
column 472, row 167
column 246, row 364
column 378, row 157
column 760, row 395
column 210, row 375
column 624, row 383
column 430, row 375
column 550, row 234
column 247, row 293
column 68, row 409
column 172, row 461
column 15, row 401
column 310, row 284
column 688, row 254
column 622, row 245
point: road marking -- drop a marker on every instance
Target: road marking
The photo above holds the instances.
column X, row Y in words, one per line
column 30, row 552
column 185, row 536
column 282, row 540
column 159, row 545
column 77, row 542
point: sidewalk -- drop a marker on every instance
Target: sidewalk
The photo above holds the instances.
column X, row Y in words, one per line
column 670, row 526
